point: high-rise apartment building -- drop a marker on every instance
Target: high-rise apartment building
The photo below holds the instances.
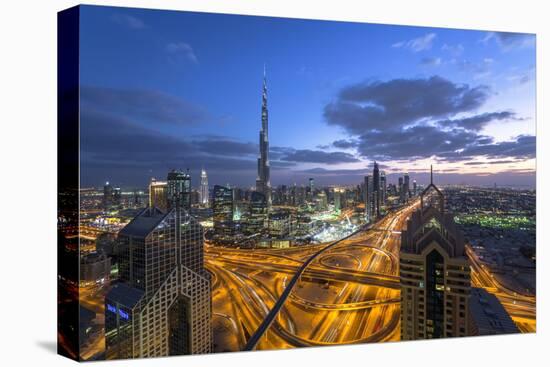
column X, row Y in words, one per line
column 434, row 272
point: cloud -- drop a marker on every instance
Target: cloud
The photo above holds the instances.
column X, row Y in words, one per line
column 455, row 50
column 398, row 102
column 522, row 147
column 409, row 119
column 509, row 41
column 317, row 156
column 416, row 142
column 337, row 172
column 478, row 122
column 431, row 61
column 184, row 49
column 345, row 143
column 417, row 44
column 147, row 106
column 479, row 163
column 128, row 21
column 478, row 69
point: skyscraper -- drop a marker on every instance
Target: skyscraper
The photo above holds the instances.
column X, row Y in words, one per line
column 406, row 187
column 369, row 197
column 204, row 192
column 258, row 214
column 263, row 183
column 162, row 304
column 376, row 189
column 434, row 272
column 383, row 188
column 178, row 186
column 107, row 195
column 401, row 190
column 223, row 210
column 158, row 195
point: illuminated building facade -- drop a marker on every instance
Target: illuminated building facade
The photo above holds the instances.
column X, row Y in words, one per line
column 257, row 216
column 158, row 195
column 434, row 273
column 223, row 210
column 178, row 188
column 204, row 191
column 162, row 304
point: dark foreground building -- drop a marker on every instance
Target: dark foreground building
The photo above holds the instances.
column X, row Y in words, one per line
column 434, row 272
column 162, row 304
column 488, row 316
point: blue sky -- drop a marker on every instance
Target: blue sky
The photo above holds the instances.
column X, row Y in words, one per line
column 162, row 90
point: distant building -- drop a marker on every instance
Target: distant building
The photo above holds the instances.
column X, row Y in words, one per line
column 406, row 187
column 338, row 199
column 311, row 188
column 383, row 188
column 178, row 186
column 434, row 272
column 370, row 210
column 376, row 189
column 162, row 303
column 280, row 225
column 158, row 195
column 204, row 190
column 117, row 196
column 257, row 215
column 95, row 270
column 401, row 190
column 107, row 195
column 487, row 316
column 414, row 188
column 322, row 201
column 222, row 207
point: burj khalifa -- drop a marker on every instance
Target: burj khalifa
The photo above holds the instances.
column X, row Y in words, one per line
column 263, row 183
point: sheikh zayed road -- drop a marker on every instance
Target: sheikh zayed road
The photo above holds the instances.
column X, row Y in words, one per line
column 298, row 266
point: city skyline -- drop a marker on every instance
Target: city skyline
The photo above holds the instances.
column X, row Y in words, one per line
column 339, row 195
column 472, row 93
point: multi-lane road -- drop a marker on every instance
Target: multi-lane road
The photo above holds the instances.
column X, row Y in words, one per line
column 347, row 293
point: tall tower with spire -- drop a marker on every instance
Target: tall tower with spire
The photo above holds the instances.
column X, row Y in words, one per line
column 263, row 183
column 204, row 192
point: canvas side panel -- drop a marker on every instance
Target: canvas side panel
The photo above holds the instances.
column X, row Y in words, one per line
column 68, row 182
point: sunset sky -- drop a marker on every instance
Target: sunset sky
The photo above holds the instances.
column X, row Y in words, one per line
column 162, row 90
